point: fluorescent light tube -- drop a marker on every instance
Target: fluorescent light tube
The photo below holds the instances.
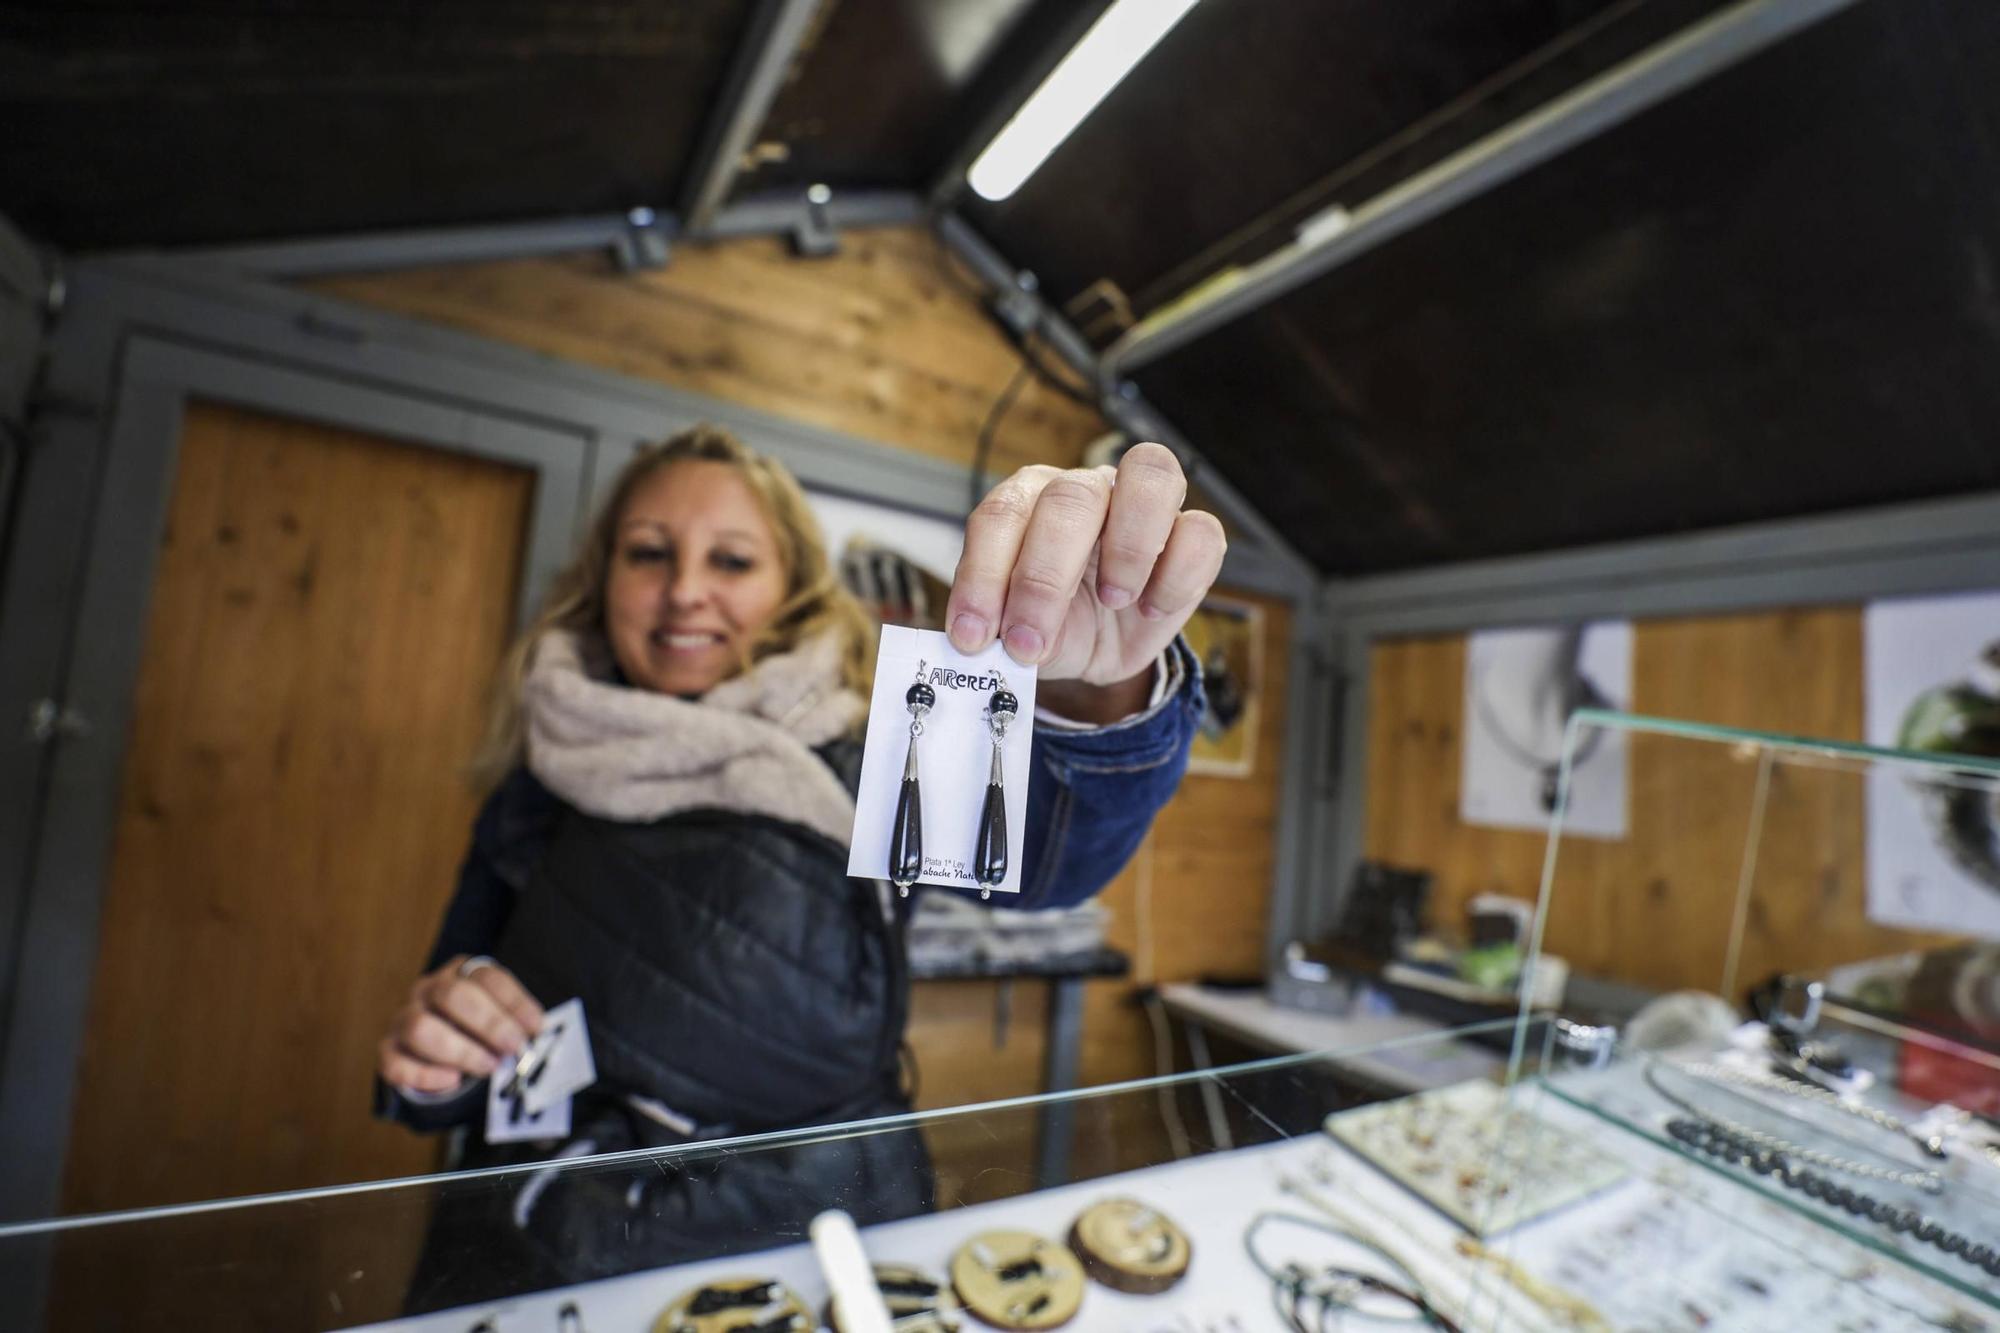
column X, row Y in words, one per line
column 1115, row 43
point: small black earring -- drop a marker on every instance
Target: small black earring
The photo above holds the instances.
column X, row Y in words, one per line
column 989, row 858
column 906, row 838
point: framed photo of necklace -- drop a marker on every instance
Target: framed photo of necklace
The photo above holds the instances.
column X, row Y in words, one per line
column 1521, row 686
column 1227, row 636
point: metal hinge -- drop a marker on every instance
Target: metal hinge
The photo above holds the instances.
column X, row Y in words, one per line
column 814, row 236
column 50, row 720
column 646, row 243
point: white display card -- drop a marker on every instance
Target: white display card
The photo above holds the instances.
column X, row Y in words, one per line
column 565, row 1063
column 508, row 1119
column 953, row 756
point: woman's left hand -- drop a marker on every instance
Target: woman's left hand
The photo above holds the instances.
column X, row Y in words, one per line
column 1087, row 573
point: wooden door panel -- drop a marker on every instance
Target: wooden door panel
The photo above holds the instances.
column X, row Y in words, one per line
column 327, row 610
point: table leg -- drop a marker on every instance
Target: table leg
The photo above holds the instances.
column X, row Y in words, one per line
column 1061, row 1058
column 1211, row 1096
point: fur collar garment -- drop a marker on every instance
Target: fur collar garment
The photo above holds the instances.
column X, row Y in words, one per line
column 635, row 755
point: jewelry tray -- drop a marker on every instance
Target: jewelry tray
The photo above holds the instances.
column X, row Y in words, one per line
column 1484, row 1164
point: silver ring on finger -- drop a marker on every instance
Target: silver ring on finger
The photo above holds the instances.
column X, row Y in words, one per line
column 473, row 964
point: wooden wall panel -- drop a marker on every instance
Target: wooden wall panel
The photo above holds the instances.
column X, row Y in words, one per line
column 292, row 812
column 1193, row 901
column 963, row 1055
column 878, row 341
column 1655, row 908
column 1196, row 898
column 293, row 806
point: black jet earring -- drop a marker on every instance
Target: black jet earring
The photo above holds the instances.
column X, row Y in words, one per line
column 906, row 839
column 989, row 858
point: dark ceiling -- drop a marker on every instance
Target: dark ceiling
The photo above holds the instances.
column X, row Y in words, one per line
column 1774, row 295
column 1250, row 117
column 128, row 124
column 888, row 88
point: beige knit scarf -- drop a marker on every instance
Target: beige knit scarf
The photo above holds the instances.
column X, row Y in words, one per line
column 747, row 745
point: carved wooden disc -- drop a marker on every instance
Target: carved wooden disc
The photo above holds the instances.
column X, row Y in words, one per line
column 1018, row 1280
column 918, row 1302
column 730, row 1304
column 1130, row 1247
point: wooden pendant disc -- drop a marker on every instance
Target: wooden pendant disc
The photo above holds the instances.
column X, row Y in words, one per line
column 1130, row 1247
column 732, row 1303
column 918, row 1302
column 1017, row 1280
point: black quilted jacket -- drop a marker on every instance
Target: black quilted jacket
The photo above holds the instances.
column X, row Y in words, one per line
column 738, row 981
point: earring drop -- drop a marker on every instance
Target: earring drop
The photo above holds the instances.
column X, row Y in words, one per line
column 989, row 858
column 906, row 838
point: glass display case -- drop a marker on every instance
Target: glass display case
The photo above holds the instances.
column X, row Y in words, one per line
column 1731, row 1154
column 1810, row 914
column 1556, row 1204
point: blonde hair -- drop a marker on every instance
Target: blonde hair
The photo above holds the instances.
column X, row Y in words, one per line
column 815, row 601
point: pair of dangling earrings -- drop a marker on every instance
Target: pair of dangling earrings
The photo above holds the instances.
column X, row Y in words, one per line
column 906, row 838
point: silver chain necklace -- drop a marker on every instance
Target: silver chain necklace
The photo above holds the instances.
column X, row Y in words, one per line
column 1931, row 1145
column 1928, row 1181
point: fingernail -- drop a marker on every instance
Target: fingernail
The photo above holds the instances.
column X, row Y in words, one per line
column 1025, row 644
column 968, row 632
column 1151, row 612
column 1117, row 599
column 488, row 1064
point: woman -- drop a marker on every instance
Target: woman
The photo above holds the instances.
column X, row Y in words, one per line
column 676, row 743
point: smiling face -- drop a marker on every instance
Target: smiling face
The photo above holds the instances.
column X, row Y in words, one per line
column 695, row 574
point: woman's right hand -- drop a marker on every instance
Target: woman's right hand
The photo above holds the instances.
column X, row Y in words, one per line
column 457, row 1025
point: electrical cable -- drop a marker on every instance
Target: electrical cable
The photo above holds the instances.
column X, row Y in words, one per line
column 1029, row 344
column 1144, row 973
column 983, row 449
column 1031, row 349
column 1163, row 1062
